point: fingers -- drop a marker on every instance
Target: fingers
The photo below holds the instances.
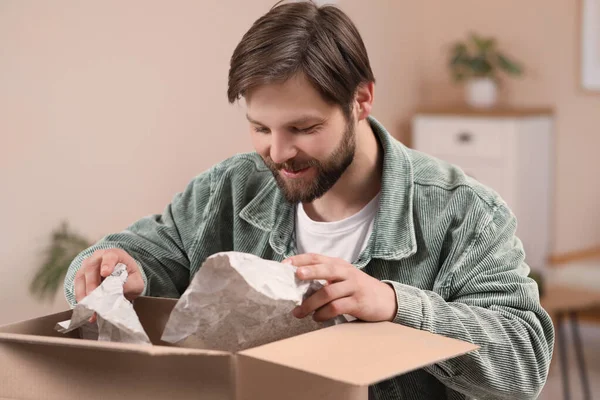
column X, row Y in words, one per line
column 90, row 268
column 110, row 259
column 79, row 285
column 323, row 296
column 306, row 259
column 345, row 305
column 94, row 260
column 99, row 266
column 329, row 272
column 85, row 278
column 92, row 279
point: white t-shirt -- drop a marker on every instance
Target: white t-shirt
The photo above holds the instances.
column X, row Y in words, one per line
column 344, row 239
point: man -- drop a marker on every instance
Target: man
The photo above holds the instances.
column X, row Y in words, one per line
column 399, row 235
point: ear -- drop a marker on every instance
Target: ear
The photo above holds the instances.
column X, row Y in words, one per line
column 364, row 100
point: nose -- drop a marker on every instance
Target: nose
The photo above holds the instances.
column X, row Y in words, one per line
column 282, row 147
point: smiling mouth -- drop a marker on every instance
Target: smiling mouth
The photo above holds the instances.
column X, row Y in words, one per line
column 294, row 173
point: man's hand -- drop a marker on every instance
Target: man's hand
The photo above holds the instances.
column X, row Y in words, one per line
column 100, row 265
column 350, row 291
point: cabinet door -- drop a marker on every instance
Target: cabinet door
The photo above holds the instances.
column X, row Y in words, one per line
column 464, row 137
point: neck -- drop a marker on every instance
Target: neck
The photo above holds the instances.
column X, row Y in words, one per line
column 359, row 184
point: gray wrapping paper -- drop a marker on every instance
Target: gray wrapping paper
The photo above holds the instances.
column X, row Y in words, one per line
column 116, row 318
column 238, row 301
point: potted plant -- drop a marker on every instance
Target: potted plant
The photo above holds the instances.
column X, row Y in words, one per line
column 478, row 62
column 64, row 246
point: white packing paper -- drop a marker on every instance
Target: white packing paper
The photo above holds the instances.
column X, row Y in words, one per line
column 116, row 318
column 238, row 301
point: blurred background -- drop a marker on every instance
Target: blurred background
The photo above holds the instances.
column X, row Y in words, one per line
column 107, row 109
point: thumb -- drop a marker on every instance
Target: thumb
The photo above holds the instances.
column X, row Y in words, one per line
column 134, row 286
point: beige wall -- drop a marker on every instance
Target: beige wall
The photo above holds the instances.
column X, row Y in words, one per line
column 107, row 109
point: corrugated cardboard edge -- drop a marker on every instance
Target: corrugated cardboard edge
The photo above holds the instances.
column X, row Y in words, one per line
column 48, row 321
column 20, row 332
column 109, row 346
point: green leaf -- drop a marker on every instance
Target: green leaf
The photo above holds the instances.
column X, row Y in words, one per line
column 458, row 59
column 508, row 65
column 483, row 45
column 481, row 66
column 459, row 76
column 479, row 42
column 459, row 53
column 479, row 57
column 459, row 48
column 63, row 248
column 489, row 45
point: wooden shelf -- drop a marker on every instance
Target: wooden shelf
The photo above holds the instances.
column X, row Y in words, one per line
column 490, row 112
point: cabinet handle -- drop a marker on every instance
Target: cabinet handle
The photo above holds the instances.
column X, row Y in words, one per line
column 465, row 137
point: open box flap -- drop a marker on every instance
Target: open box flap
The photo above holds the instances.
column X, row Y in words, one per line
column 43, row 326
column 41, row 331
column 361, row 353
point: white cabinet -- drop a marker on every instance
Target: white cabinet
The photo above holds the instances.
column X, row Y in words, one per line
column 510, row 151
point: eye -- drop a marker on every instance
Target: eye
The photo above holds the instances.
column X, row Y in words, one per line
column 309, row 129
column 261, row 129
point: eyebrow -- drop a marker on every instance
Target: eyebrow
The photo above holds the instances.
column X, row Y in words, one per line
column 298, row 121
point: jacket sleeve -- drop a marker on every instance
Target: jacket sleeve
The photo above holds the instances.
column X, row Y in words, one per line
column 159, row 243
column 490, row 302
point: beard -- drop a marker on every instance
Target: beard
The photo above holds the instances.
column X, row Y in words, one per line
column 329, row 171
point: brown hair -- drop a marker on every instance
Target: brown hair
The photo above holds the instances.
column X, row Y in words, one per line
column 320, row 42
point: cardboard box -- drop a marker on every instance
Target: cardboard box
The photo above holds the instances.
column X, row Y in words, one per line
column 338, row 362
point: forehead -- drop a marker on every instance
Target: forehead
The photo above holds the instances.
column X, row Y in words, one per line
column 290, row 101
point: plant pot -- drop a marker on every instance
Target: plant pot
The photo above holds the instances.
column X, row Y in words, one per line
column 481, row 92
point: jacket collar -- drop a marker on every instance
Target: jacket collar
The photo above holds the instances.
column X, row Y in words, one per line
column 393, row 235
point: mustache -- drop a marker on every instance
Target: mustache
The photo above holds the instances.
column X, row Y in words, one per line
column 291, row 165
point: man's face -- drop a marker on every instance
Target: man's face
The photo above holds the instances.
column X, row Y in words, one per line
column 306, row 142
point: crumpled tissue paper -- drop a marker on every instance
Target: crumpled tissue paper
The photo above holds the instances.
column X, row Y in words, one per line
column 238, row 301
column 116, row 318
